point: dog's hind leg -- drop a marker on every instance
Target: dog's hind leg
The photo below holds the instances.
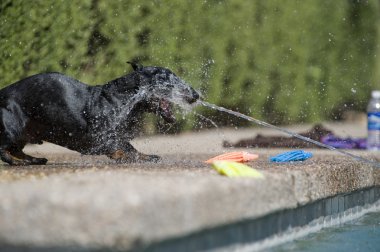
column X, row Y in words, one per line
column 12, row 124
column 15, row 156
column 7, row 157
column 129, row 154
column 28, row 160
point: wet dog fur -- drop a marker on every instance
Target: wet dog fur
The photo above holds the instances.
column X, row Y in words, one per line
column 93, row 120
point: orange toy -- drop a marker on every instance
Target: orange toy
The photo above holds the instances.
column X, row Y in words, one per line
column 238, row 156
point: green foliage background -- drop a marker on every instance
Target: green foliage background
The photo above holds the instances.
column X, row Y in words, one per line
column 281, row 61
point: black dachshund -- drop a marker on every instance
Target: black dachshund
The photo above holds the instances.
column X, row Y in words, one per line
column 93, row 120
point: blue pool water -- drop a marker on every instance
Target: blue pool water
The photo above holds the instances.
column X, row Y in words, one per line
column 362, row 234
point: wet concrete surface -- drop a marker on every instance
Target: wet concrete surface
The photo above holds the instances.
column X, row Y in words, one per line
column 92, row 202
column 180, row 153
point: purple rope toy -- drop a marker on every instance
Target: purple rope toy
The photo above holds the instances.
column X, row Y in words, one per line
column 344, row 143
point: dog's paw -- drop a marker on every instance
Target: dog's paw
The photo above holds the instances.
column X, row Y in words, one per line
column 142, row 158
column 39, row 161
column 153, row 158
column 134, row 157
column 21, row 159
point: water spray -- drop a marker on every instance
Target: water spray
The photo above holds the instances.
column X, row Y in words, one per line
column 303, row 138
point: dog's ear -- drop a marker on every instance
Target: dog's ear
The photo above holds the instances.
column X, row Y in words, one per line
column 135, row 66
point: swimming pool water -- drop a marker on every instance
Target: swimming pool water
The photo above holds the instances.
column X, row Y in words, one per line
column 362, row 234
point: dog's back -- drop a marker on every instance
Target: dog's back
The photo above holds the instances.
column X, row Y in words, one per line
column 51, row 88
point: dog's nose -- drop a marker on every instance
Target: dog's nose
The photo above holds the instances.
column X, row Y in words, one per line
column 195, row 95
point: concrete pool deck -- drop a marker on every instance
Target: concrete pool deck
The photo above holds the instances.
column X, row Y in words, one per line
column 87, row 203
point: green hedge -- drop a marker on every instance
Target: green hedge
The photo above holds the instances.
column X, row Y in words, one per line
column 281, row 61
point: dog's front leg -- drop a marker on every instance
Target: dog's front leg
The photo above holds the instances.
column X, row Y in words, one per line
column 128, row 154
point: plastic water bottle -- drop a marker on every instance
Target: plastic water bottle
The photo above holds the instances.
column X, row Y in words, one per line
column 373, row 110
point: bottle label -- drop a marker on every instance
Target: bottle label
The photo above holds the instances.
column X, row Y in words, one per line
column 374, row 121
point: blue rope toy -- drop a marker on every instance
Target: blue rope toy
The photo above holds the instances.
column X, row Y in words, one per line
column 290, row 156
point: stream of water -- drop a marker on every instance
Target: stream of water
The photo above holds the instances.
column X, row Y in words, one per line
column 303, row 138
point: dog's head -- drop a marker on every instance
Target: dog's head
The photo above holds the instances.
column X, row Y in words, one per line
column 162, row 89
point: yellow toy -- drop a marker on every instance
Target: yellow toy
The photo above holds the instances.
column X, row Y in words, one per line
column 235, row 169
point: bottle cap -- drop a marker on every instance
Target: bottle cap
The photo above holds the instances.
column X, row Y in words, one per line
column 376, row 94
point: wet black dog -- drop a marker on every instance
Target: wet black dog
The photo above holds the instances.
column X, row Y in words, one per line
column 93, row 120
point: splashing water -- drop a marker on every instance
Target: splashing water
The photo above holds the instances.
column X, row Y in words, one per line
column 107, row 133
column 303, row 138
column 207, row 120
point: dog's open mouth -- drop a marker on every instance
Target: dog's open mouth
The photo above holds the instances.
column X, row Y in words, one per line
column 166, row 111
column 165, row 106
